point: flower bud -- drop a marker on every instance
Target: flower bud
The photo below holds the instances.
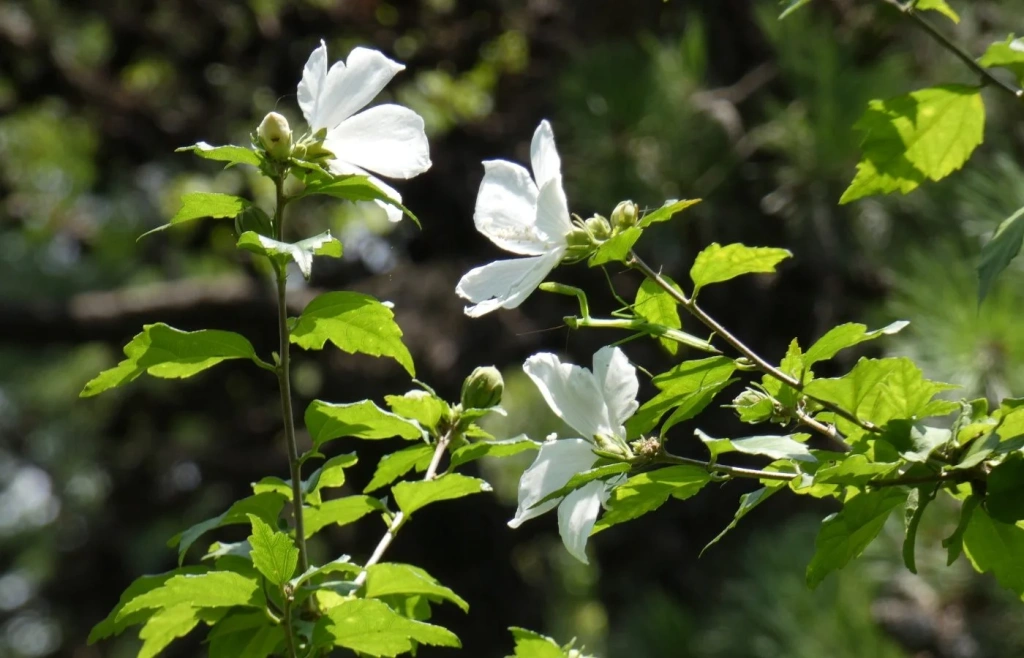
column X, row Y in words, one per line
column 754, row 406
column 275, row 136
column 625, row 216
column 599, row 227
column 482, row 389
column 579, row 237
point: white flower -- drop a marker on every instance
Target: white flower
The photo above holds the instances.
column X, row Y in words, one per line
column 386, row 139
column 525, row 216
column 594, row 403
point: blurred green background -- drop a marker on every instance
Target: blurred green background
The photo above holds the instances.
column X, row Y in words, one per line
column 649, row 100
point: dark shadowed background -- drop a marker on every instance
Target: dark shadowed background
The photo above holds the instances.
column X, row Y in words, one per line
column 649, row 100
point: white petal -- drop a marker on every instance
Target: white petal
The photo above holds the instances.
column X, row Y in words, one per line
column 619, row 386
column 544, row 156
column 313, row 75
column 505, row 283
column 347, row 168
column 577, row 514
column 350, row 88
column 506, row 209
column 386, row 139
column 572, row 392
column 556, row 463
column 553, row 212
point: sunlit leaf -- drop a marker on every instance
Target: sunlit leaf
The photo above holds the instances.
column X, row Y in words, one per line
column 690, row 380
column 925, row 135
column 423, row 407
column 789, row 6
column 412, row 496
column 115, row 622
column 216, row 589
column 616, row 249
column 267, row 506
column 197, row 205
column 372, row 628
column 480, row 449
column 165, row 626
column 647, row 492
column 535, row 645
column 657, row 306
column 326, row 421
column 999, row 251
column 353, row 322
column 386, row 578
column 717, row 263
column 748, row 502
column 666, row 212
column 301, row 252
column 1007, row 54
column 583, row 478
column 993, row 546
column 273, row 553
column 773, row 447
column 340, row 511
column 233, row 155
column 940, row 6
column 250, row 634
column 844, row 336
column 351, row 188
column 395, row 465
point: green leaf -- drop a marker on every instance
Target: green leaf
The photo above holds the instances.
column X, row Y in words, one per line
column 352, row 188
column 340, row 511
column 999, row 251
column 353, row 322
column 301, row 252
column 535, row 645
column 197, row 205
column 326, row 421
column 1007, row 54
column 915, row 442
column 657, row 306
column 372, row 628
column 115, row 623
column 386, row 578
column 789, row 6
column 690, row 380
column 233, row 155
column 844, row 336
column 480, row 449
column 249, row 634
column 273, row 553
column 691, row 404
column 646, row 492
column 748, row 501
column 995, row 546
column 792, row 364
column 1004, row 495
column 666, row 212
column 773, row 447
column 412, row 496
column 216, row 589
column 717, row 263
column 586, row 477
column 164, row 627
column 267, row 506
column 393, row 466
column 939, row 6
column 845, row 535
column 329, row 476
column 913, row 512
column 855, row 470
column 925, row 135
column 954, row 544
column 169, row 353
column 423, row 407
column 616, row 249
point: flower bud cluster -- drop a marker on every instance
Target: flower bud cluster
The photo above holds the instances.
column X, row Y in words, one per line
column 274, row 136
column 589, row 234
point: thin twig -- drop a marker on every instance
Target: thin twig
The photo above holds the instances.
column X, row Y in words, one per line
column 835, row 439
column 288, row 638
column 731, row 471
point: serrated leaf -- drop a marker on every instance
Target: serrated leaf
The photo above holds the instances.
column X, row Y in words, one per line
column 301, row 252
column 393, row 466
column 999, row 251
column 578, row 480
column 215, row 589
column 387, row 578
column 168, row 353
column 1007, row 54
column 338, row 564
column 197, row 205
column 352, row 188
column 925, row 135
column 615, row 249
column 340, row 511
column 115, row 623
column 915, row 442
column 791, row 364
column 748, row 502
column 855, row 470
column 844, row 336
column 329, row 476
column 789, row 6
column 250, row 635
column 353, row 322
column 164, row 627
column 666, row 212
column 940, row 6
column 773, row 447
column 233, row 155
column 689, row 378
column 535, row 645
column 327, row 421
column 274, row 554
column 691, row 404
column 423, row 407
column 412, row 496
column 994, row 546
column 657, row 306
column 479, row 449
column 646, row 492
column 1004, row 494
column 372, row 628
column 716, row 263
column 267, row 506
column 845, row 534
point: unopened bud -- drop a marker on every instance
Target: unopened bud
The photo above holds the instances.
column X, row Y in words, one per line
column 276, row 136
column 625, row 216
column 482, row 389
column 599, row 227
column 753, row 406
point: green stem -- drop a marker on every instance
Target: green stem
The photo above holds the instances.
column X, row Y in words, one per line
column 288, row 636
column 731, row 471
column 691, row 306
column 636, row 324
column 908, row 10
column 285, row 384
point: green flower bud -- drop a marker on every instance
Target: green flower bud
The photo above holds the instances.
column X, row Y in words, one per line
column 482, row 389
column 579, row 237
column 599, row 227
column 275, row 136
column 754, row 406
column 625, row 216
